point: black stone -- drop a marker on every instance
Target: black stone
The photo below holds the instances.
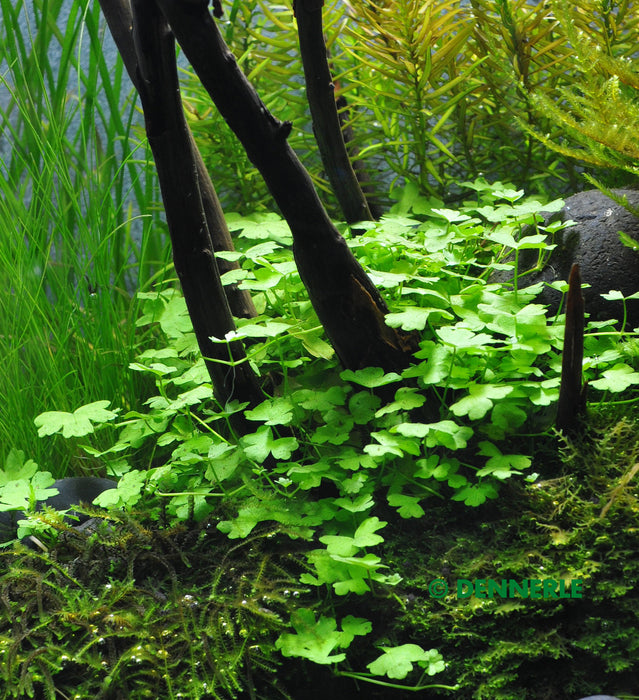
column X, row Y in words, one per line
column 594, row 244
column 72, row 491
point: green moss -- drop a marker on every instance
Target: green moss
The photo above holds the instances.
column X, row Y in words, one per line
column 138, row 611
column 557, row 528
column 142, row 613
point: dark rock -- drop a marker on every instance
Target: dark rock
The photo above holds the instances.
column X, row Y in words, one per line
column 593, row 242
column 72, row 491
column 78, row 489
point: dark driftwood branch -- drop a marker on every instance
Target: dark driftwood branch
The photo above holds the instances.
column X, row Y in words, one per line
column 171, row 143
column 359, row 166
column 119, row 18
column 572, row 395
column 320, row 92
column 347, row 303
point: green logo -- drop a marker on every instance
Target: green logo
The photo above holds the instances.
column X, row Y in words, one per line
column 509, row 588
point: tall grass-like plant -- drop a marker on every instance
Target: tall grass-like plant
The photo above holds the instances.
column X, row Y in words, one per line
column 572, row 69
column 77, row 226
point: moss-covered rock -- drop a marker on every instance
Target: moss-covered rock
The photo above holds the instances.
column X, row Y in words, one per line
column 580, row 526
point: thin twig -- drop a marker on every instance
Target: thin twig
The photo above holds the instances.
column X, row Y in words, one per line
column 623, row 482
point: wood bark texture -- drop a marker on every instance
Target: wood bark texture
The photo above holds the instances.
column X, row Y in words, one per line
column 320, row 93
column 572, row 395
column 120, row 21
column 347, row 303
column 193, row 255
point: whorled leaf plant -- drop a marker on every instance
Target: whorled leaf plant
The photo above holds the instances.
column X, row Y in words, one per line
column 412, row 74
column 596, row 114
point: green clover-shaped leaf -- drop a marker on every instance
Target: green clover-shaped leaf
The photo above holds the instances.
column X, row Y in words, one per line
column 80, row 422
column 616, row 379
column 397, row 662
